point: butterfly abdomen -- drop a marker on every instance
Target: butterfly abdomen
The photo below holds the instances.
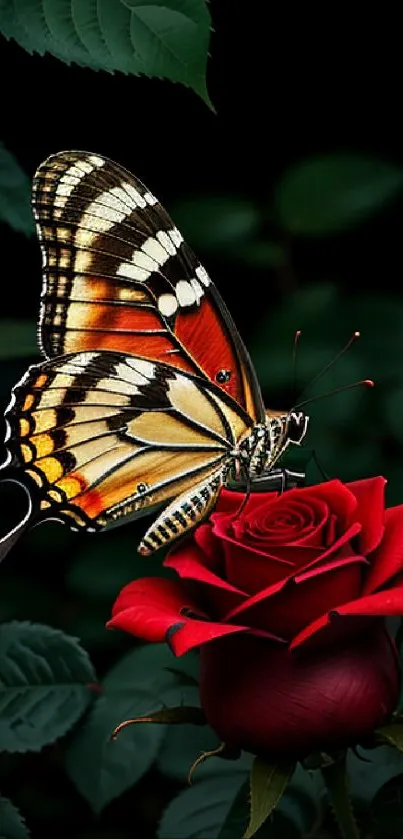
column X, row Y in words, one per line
column 182, row 514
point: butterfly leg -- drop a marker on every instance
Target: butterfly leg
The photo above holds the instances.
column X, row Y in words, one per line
column 183, row 513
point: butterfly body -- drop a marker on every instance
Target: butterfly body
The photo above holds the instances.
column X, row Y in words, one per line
column 147, row 395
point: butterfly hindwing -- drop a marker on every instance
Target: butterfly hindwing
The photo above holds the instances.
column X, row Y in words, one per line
column 103, row 435
column 118, row 276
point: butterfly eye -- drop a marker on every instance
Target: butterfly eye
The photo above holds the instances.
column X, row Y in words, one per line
column 141, row 488
column 223, row 376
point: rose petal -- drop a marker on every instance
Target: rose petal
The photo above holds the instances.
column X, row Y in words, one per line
column 387, row 560
column 382, row 604
column 287, row 607
column 211, row 547
column 230, row 502
column 340, row 500
column 269, row 702
column 252, row 571
column 287, row 520
column 189, row 562
column 157, row 610
column 370, row 495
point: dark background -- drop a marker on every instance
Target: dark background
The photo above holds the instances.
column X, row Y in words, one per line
column 278, row 99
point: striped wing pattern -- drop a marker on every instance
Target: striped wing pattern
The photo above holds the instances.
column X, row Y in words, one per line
column 118, row 276
column 104, row 435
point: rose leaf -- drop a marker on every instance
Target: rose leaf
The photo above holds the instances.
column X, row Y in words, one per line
column 392, row 734
column 267, row 784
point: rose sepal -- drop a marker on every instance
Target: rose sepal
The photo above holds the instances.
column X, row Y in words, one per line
column 166, row 716
column 391, row 735
column 224, row 751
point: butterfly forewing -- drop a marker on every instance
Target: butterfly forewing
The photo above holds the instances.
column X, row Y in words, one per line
column 119, row 276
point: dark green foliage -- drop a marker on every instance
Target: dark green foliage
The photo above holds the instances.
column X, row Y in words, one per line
column 45, row 685
column 12, row 825
column 15, row 191
column 165, row 39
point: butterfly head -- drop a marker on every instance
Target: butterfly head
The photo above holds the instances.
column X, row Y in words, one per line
column 264, row 445
column 282, row 430
column 296, row 425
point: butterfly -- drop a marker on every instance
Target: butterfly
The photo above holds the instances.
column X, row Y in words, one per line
column 146, row 396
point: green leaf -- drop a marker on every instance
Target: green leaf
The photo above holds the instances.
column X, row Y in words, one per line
column 138, row 685
column 17, row 338
column 12, row 27
column 164, row 38
column 267, row 784
column 296, row 815
column 15, row 194
column 12, row 825
column 102, row 768
column 392, row 734
column 214, row 223
column 324, row 195
column 201, row 810
column 45, row 679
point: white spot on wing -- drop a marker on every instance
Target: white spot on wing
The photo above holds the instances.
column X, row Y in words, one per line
column 97, row 161
column 167, row 304
column 202, row 275
column 68, row 181
column 113, row 199
column 84, row 166
column 140, row 260
column 155, row 250
column 102, row 214
column 166, row 242
column 176, row 237
column 197, row 289
column 127, row 269
column 150, row 198
column 185, row 293
column 135, row 196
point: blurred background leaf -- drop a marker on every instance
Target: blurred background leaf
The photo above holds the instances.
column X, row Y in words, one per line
column 15, row 192
column 18, row 338
column 12, row 825
column 326, row 194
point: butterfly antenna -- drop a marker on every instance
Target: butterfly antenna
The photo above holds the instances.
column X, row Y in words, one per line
column 366, row 382
column 331, row 363
column 294, row 364
column 319, row 466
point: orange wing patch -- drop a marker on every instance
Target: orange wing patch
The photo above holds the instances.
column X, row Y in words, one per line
column 118, row 276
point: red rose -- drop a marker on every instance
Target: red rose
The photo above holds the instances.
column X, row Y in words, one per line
column 293, row 592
